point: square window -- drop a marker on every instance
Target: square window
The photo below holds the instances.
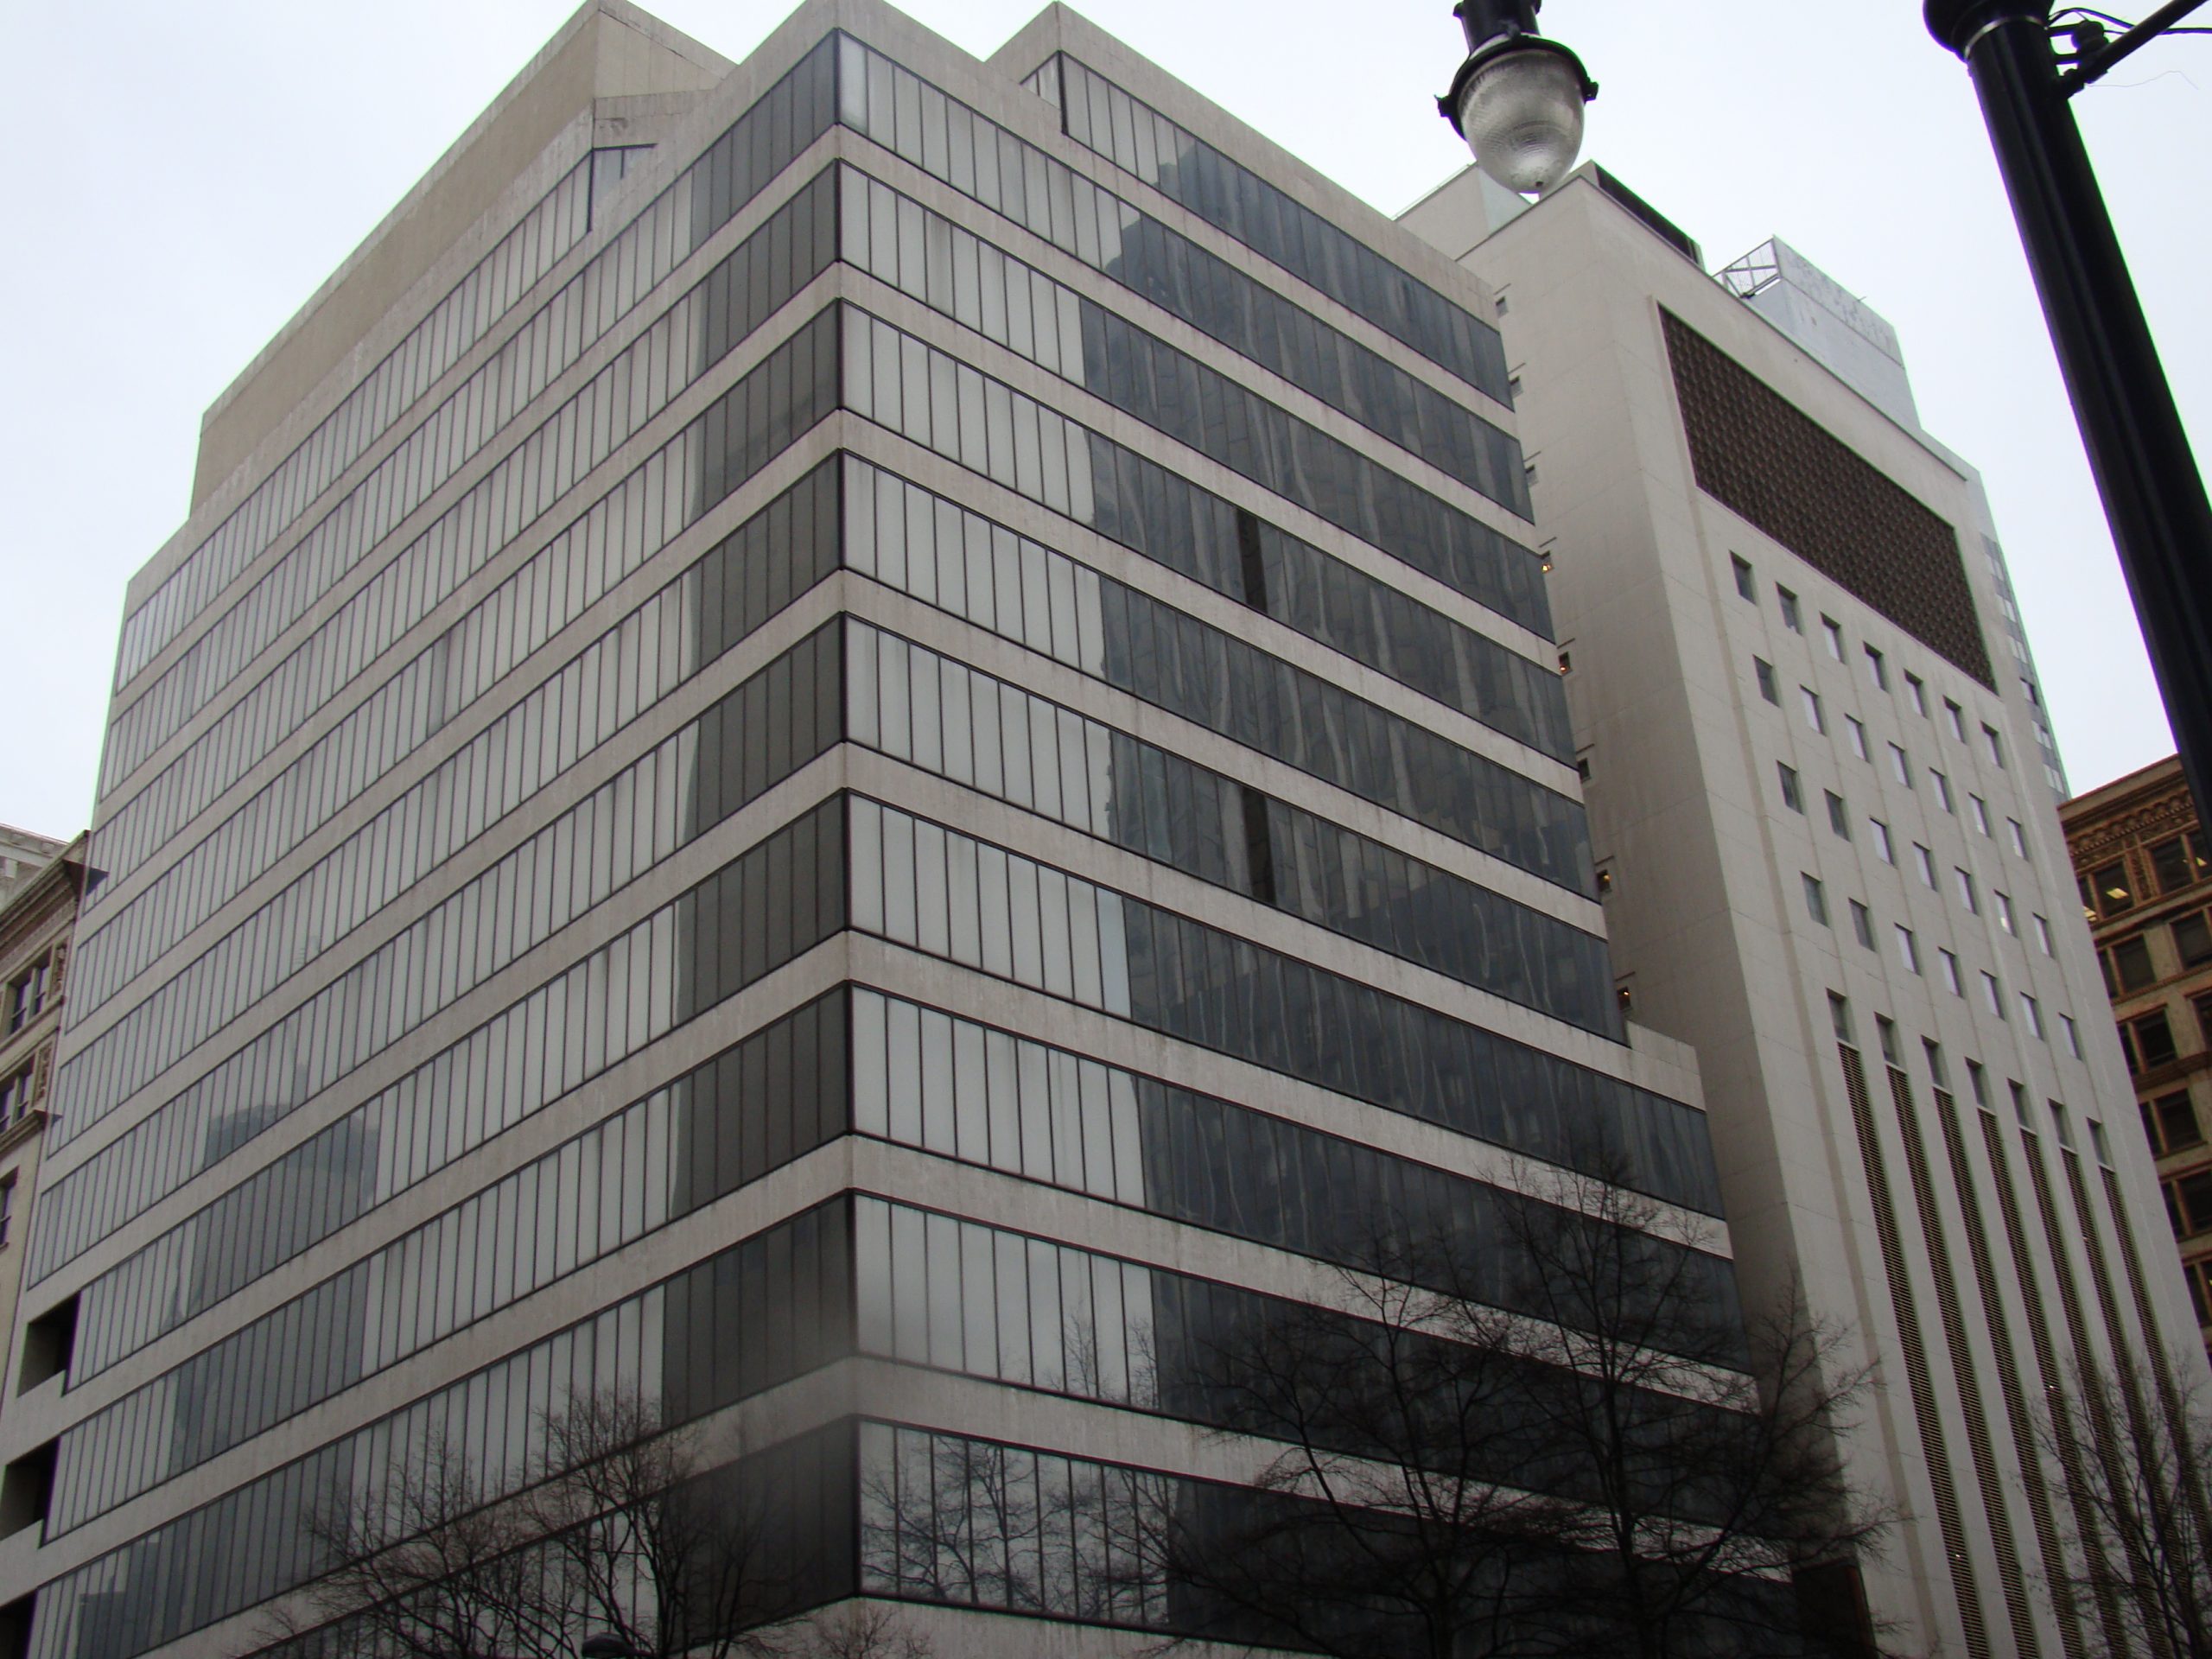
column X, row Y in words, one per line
column 1877, row 669
column 1956, row 717
column 2131, row 963
column 1816, row 899
column 2153, row 1041
column 2170, row 1123
column 2169, row 864
column 1839, row 820
column 1745, row 588
column 1792, row 618
column 1833, row 635
column 1977, row 811
column 1792, row 797
column 1908, row 948
column 1883, row 844
column 1951, row 982
column 1900, row 767
column 1916, row 690
column 1767, row 688
column 1862, row 923
column 2193, row 940
column 1858, row 738
column 2019, row 837
column 1814, row 717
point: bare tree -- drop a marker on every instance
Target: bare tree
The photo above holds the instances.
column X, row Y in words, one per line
column 1611, row 1468
column 620, row 1529
column 2143, row 1481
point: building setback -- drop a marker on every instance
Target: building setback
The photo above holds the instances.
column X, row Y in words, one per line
column 741, row 787
column 1822, row 809
column 2140, row 859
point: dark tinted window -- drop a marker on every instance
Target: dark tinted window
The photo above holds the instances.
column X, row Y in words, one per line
column 2111, row 890
column 2130, row 961
column 2170, row 864
column 2154, row 1041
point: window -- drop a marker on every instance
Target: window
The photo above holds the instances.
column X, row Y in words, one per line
column 2197, row 863
column 1745, row 587
column 1908, row 948
column 2112, row 890
column 1816, row 899
column 1938, row 1073
column 1916, row 690
column 1978, row 1077
column 27, row 995
column 2148, row 1042
column 1792, row 795
column 2200, row 1288
column 1792, row 618
column 1862, row 923
column 2170, row 1121
column 1814, row 717
column 1833, row 635
column 2032, row 1011
column 2005, row 918
column 1968, row 895
column 1839, row 820
column 2189, row 1203
column 1878, row 669
column 1993, row 994
column 2019, row 837
column 1996, row 747
column 1883, row 844
column 7, row 1211
column 2170, row 863
column 1977, row 811
column 1886, row 1029
column 2062, row 1126
column 1924, row 861
column 1839, row 1018
column 2102, row 1147
column 1943, row 791
column 2193, row 940
column 1951, row 982
column 1765, row 673
column 14, row 1096
column 2023, row 1113
column 1900, row 767
column 2072, row 1033
column 2042, row 934
column 1956, row 717
column 2202, row 1002
column 2131, row 964
column 1858, row 738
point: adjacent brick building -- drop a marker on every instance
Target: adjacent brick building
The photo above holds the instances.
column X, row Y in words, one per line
column 2139, row 857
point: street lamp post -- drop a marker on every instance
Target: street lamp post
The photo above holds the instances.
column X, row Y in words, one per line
column 2153, row 497
column 1517, row 98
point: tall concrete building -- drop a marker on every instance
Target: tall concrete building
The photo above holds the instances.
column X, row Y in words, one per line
column 850, row 741
column 1822, row 804
column 2140, row 859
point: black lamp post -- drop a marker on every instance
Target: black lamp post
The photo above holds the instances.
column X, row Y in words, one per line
column 2153, row 497
column 1517, row 100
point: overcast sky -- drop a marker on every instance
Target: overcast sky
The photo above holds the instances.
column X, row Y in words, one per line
column 186, row 177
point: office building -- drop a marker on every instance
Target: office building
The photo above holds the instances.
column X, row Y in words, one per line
column 835, row 739
column 1819, row 806
column 35, row 921
column 2138, row 856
